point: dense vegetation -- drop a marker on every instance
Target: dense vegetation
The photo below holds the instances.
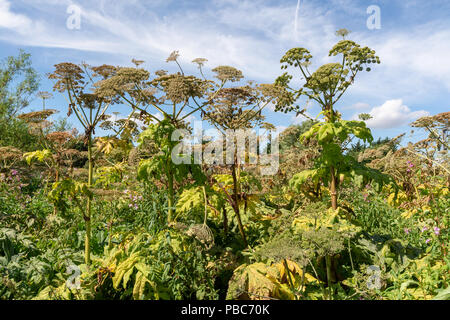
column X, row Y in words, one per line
column 84, row 216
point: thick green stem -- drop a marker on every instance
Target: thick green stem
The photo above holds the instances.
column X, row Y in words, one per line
column 225, row 220
column 236, row 206
column 328, row 264
column 171, row 199
column 333, row 189
column 87, row 218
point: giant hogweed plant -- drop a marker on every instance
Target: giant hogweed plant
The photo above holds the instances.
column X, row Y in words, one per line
column 325, row 87
column 175, row 96
column 161, row 166
column 78, row 82
column 236, row 109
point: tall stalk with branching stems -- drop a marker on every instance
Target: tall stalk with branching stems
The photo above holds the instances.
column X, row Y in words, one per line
column 177, row 96
column 174, row 96
column 325, row 87
column 235, row 108
column 44, row 95
column 77, row 83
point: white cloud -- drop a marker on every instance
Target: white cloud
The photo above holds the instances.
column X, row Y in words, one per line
column 17, row 22
column 249, row 34
column 392, row 114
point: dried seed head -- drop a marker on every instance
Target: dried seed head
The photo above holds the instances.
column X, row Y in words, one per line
column 161, row 73
column 89, row 100
column 37, row 116
column 173, row 56
column 227, row 73
column 200, row 62
column 44, row 95
column 104, row 71
column 10, row 154
column 137, row 63
column 179, row 88
column 124, row 80
column 68, row 75
column 59, row 137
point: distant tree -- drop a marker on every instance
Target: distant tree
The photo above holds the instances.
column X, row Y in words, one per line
column 18, row 84
column 291, row 136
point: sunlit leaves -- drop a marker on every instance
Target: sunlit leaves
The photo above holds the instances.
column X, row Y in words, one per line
column 110, row 174
column 326, row 132
column 69, row 189
column 39, row 155
column 301, row 178
column 161, row 165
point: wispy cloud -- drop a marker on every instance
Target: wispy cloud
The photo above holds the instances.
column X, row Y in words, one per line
column 19, row 23
column 249, row 34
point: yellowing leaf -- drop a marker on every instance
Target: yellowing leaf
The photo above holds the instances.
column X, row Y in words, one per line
column 255, row 282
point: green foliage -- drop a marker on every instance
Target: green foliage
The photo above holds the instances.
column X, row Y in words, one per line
column 161, row 164
column 169, row 230
column 110, row 174
column 68, row 189
column 39, row 155
column 257, row 282
column 166, row 266
column 18, row 82
column 326, row 85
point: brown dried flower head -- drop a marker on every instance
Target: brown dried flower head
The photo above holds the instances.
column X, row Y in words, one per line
column 37, row 116
column 125, row 80
column 137, row 63
column 105, row 71
column 200, row 62
column 36, row 128
column 227, row 73
column 276, row 94
column 161, row 73
column 71, row 153
column 44, row 95
column 232, row 108
column 10, row 153
column 68, row 75
column 439, row 120
column 173, row 56
column 179, row 88
column 89, row 100
column 59, row 137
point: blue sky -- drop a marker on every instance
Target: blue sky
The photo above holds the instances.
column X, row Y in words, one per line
column 413, row 43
